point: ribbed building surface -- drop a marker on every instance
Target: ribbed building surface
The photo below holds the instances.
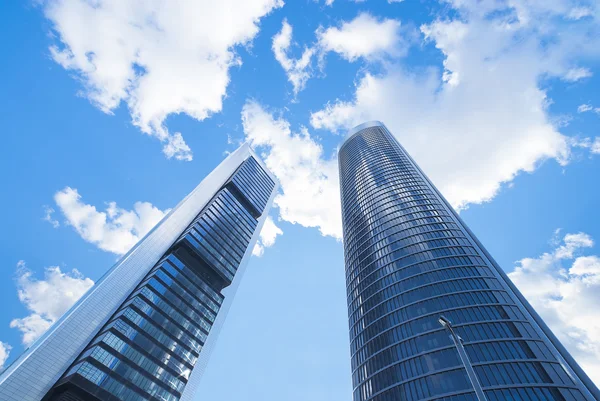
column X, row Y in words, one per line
column 409, row 259
column 140, row 333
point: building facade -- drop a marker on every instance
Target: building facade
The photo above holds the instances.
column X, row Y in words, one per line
column 146, row 329
column 409, row 260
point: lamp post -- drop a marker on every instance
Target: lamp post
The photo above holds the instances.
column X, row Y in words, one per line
column 458, row 342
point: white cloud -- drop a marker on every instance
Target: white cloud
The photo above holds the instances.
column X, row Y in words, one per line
column 116, row 230
column 4, row 353
column 47, row 299
column 297, row 70
column 580, row 12
column 268, row 234
column 564, row 288
column 482, row 120
column 584, row 108
column 365, row 36
column 309, row 181
column 48, row 212
column 576, row 74
column 596, row 146
column 157, row 57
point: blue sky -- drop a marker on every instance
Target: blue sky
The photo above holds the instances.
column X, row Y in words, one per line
column 112, row 113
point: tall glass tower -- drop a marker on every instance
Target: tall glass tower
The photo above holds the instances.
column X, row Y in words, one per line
column 145, row 330
column 409, row 260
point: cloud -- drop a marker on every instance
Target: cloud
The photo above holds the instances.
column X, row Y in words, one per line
column 584, row 108
column 580, row 12
column 4, row 353
column 309, row 181
column 268, row 234
column 115, row 230
column 297, row 70
column 596, row 146
column 483, row 119
column 48, row 212
column 156, row 57
column 564, row 288
column 365, row 36
column 576, row 74
column 47, row 299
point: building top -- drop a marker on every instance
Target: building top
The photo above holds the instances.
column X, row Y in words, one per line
column 352, row 132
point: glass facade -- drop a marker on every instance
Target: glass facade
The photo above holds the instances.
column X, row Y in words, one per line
column 148, row 348
column 142, row 332
column 409, row 259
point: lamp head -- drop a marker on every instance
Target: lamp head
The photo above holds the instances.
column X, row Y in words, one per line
column 445, row 322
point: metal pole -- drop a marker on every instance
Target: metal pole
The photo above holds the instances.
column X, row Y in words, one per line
column 458, row 342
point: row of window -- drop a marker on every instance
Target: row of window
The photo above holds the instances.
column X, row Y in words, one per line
column 160, row 281
column 180, row 282
column 422, row 255
column 152, row 346
column 398, row 270
column 133, row 318
column 374, row 216
column 418, row 389
column 408, row 368
column 422, row 323
column 408, row 194
column 479, row 313
column 357, row 152
column 400, row 249
column 526, row 372
column 104, row 381
column 193, row 276
column 198, row 327
column 380, row 196
column 395, row 232
column 367, row 196
column 535, row 394
column 401, row 238
column 430, row 306
column 138, row 360
column 129, row 374
column 385, row 288
column 200, row 246
column 153, row 288
column 149, row 350
column 254, row 183
column 354, row 157
column 367, row 312
column 140, row 312
column 399, row 226
column 489, row 351
column 374, row 178
column 408, row 205
column 219, row 229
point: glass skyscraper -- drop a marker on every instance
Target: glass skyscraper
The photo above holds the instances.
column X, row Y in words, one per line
column 409, row 260
column 145, row 330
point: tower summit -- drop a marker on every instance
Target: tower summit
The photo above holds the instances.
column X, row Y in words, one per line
column 411, row 264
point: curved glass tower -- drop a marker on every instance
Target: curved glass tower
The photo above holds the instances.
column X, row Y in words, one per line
column 409, row 260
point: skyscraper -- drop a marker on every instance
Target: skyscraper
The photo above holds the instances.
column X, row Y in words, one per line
column 142, row 332
column 410, row 259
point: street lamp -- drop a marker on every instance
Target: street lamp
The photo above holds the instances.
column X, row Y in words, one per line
column 458, row 342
